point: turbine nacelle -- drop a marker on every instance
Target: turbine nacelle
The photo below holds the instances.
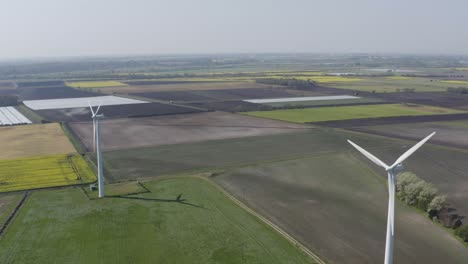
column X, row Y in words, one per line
column 398, row 168
column 95, row 113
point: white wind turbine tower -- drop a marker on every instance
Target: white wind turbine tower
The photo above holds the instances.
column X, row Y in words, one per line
column 391, row 171
column 97, row 147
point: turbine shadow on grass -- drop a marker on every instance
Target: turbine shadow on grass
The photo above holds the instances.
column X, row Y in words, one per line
column 176, row 200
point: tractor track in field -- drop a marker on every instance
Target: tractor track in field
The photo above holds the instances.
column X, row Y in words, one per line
column 13, row 214
column 304, row 249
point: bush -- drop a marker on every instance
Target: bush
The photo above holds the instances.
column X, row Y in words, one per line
column 462, row 232
column 437, row 203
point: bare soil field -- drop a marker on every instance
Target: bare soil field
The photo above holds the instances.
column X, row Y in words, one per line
column 174, row 129
column 444, row 99
column 39, row 84
column 230, row 106
column 53, row 92
column 336, row 206
column 174, row 96
column 214, row 95
column 184, row 87
column 114, row 111
column 5, row 85
column 450, row 133
column 33, row 140
column 8, row 91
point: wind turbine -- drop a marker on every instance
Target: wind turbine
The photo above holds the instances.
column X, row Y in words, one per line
column 97, row 147
column 391, row 171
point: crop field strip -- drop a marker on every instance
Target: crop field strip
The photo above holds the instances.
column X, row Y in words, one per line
column 310, row 115
column 449, row 133
column 232, row 106
column 183, row 87
column 221, row 94
column 384, row 84
column 10, row 116
column 43, row 172
column 95, row 84
column 442, row 99
column 115, row 111
column 214, row 229
column 52, row 92
column 302, row 99
column 33, row 140
column 171, row 129
column 323, row 103
column 79, row 102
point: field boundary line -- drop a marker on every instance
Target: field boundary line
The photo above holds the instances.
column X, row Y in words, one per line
column 266, row 221
column 13, row 214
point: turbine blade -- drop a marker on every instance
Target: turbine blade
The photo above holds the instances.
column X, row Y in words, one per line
column 411, row 151
column 97, row 110
column 369, row 156
column 90, row 107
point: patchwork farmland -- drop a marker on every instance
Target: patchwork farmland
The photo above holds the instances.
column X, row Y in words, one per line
column 217, row 167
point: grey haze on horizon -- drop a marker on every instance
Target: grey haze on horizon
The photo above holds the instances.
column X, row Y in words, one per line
column 55, row 28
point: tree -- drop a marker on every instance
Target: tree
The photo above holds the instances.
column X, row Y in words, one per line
column 437, row 203
column 426, row 195
column 462, row 232
column 412, row 192
column 403, row 180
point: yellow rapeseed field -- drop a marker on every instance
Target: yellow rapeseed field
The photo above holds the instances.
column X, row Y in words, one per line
column 398, row 78
column 95, row 84
column 41, row 172
column 455, row 82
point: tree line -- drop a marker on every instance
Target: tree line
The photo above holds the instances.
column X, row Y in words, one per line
column 291, row 83
column 416, row 192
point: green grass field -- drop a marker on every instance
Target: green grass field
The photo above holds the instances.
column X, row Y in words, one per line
column 203, row 226
column 393, row 84
column 95, row 84
column 45, row 171
column 324, row 102
column 117, row 189
column 8, row 203
column 350, row 112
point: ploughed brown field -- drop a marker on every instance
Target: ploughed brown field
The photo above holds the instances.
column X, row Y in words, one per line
column 148, row 87
column 450, row 133
column 174, row 129
column 115, row 111
column 444, row 99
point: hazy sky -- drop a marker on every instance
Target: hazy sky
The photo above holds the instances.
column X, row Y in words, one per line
column 44, row 28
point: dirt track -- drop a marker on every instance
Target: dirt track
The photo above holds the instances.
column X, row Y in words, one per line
column 174, row 129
